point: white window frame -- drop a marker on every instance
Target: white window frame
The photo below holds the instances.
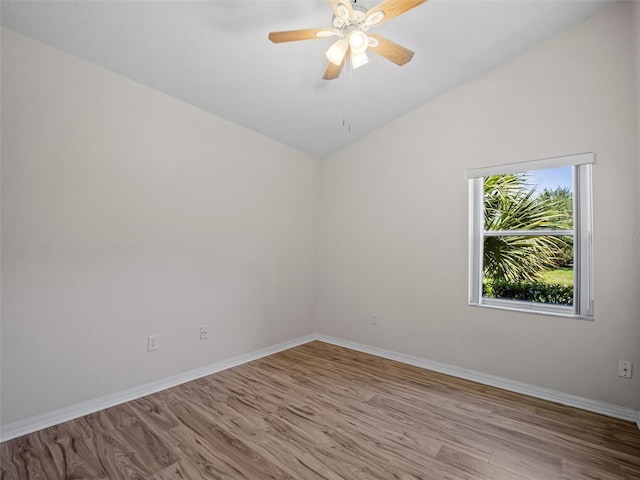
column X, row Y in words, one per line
column 582, row 236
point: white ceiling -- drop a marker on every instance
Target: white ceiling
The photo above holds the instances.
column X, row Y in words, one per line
column 216, row 55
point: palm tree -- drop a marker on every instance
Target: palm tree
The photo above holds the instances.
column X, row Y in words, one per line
column 511, row 203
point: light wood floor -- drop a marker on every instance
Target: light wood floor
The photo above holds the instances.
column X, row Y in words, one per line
column 324, row 412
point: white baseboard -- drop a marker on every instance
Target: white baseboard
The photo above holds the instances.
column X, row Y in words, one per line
column 494, row 381
column 38, row 422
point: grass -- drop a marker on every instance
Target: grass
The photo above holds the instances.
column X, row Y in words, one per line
column 563, row 276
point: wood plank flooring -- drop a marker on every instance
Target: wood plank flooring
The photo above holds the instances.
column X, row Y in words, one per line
column 323, row 412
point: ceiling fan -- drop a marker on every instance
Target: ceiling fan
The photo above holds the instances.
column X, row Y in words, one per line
column 351, row 23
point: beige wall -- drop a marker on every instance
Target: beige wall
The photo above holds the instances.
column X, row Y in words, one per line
column 394, row 218
column 636, row 44
column 127, row 213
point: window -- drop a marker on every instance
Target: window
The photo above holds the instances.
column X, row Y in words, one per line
column 530, row 236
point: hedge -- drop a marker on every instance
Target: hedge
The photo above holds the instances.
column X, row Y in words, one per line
column 529, row 291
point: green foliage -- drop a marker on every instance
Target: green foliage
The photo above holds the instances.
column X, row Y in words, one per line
column 511, row 203
column 561, row 200
column 553, row 293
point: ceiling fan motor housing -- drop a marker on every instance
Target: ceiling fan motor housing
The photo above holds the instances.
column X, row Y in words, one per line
column 357, row 20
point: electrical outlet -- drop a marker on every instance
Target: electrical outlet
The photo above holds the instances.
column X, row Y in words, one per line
column 625, row 369
column 152, row 343
column 204, row 333
column 374, row 319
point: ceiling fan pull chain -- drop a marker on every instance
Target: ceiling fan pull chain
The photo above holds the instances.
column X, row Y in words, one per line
column 350, row 95
column 346, row 105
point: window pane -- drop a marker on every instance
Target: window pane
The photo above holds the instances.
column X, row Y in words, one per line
column 555, row 186
column 522, row 233
column 529, row 268
column 540, row 199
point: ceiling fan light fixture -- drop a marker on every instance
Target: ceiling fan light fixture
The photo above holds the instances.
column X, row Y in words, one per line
column 358, row 41
column 337, row 51
column 359, row 59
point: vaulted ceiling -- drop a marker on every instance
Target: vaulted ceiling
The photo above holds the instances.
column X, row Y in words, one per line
column 216, row 55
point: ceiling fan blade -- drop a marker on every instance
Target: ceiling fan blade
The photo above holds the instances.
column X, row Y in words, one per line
column 391, row 9
column 333, row 71
column 341, row 8
column 390, row 50
column 295, row 35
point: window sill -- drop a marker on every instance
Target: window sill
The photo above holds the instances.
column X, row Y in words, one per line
column 550, row 313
